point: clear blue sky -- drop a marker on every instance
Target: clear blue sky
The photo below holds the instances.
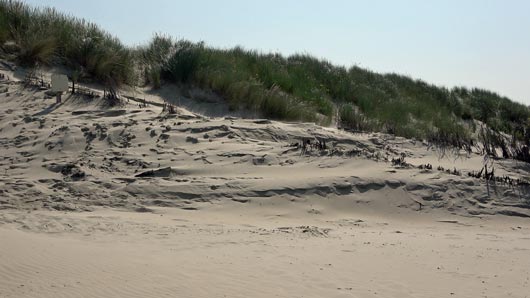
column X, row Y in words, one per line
column 474, row 43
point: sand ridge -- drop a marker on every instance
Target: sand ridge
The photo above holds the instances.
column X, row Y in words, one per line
column 80, row 154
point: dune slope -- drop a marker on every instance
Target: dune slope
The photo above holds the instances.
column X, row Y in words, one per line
column 130, row 201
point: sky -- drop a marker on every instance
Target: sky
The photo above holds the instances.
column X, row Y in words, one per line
column 472, row 43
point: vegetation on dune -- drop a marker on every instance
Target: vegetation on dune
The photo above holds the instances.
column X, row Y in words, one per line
column 298, row 87
column 47, row 37
column 303, row 87
column 295, row 87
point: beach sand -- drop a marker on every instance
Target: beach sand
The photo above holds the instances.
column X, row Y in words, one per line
column 127, row 201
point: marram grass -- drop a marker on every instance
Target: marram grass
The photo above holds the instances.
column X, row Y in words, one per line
column 298, row 87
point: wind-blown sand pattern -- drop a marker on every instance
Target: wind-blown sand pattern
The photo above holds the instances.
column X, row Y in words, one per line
column 134, row 202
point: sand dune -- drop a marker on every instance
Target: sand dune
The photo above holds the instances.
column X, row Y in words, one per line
column 99, row 201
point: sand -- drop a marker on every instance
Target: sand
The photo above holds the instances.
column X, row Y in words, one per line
column 129, row 201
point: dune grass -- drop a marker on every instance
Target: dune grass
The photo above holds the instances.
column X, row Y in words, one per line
column 298, row 87
column 303, row 87
column 48, row 37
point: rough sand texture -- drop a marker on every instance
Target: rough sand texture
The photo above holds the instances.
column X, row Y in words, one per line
column 132, row 202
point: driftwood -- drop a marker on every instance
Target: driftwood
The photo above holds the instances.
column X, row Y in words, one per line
column 307, row 144
column 170, row 108
column 427, row 166
column 489, row 175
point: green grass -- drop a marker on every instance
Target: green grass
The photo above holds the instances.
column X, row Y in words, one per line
column 48, row 37
column 297, row 87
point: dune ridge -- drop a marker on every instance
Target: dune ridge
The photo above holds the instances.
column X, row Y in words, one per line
column 130, row 201
column 75, row 155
